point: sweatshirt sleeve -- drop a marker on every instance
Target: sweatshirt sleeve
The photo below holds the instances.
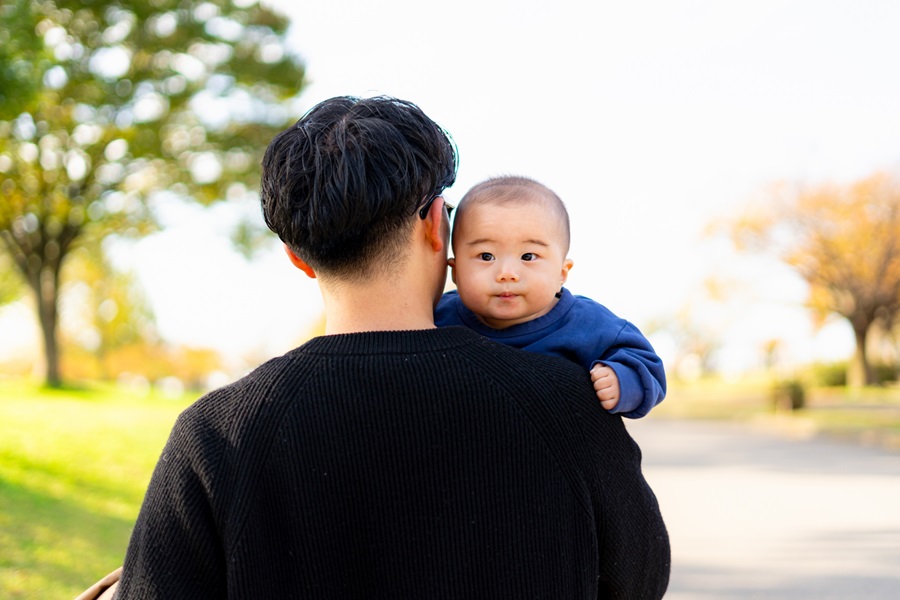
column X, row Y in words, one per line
column 175, row 550
column 642, row 377
column 634, row 543
column 446, row 313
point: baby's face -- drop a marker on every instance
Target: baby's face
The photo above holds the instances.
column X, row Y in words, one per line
column 509, row 261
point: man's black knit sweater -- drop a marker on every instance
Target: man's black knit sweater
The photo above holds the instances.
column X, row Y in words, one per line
column 413, row 464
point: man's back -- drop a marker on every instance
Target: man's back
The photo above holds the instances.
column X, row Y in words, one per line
column 420, row 464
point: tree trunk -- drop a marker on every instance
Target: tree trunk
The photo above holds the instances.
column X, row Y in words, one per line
column 860, row 372
column 48, row 301
column 39, row 258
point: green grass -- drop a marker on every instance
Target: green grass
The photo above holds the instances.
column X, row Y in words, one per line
column 715, row 399
column 74, row 465
column 868, row 416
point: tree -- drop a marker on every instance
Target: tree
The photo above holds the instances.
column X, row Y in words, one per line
column 107, row 308
column 10, row 285
column 105, row 104
column 695, row 330
column 844, row 241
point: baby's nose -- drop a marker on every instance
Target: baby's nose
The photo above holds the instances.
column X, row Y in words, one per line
column 507, row 274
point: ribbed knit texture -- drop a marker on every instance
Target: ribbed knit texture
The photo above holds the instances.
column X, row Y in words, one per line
column 416, row 464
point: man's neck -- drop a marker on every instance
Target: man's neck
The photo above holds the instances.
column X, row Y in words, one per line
column 386, row 305
column 403, row 299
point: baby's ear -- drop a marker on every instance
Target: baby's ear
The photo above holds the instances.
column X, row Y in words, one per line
column 566, row 267
column 451, row 262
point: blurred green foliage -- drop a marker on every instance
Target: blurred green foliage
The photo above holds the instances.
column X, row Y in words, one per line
column 10, row 282
column 110, row 311
column 834, row 374
column 107, row 104
column 789, row 394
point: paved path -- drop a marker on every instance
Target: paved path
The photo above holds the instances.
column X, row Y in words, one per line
column 752, row 515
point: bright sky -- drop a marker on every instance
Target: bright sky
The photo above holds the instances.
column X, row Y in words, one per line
column 649, row 118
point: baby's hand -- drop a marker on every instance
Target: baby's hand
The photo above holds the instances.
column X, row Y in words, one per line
column 607, row 385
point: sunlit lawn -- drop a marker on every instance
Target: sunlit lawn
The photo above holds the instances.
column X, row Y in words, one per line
column 73, row 469
column 74, row 465
column 870, row 416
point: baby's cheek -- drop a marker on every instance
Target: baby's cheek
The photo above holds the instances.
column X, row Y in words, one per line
column 466, row 283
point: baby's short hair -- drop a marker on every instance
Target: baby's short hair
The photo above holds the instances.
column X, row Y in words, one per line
column 511, row 189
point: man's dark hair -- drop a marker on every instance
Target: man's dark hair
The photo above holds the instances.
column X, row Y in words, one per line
column 342, row 186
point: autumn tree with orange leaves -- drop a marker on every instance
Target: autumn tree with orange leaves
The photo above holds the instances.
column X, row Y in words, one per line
column 844, row 241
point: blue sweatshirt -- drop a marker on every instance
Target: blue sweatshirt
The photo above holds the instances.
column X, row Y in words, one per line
column 584, row 332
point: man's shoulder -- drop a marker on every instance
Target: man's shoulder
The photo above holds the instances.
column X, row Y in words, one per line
column 554, row 386
column 241, row 399
column 556, row 399
column 529, row 364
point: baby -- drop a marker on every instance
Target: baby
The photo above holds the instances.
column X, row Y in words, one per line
column 510, row 240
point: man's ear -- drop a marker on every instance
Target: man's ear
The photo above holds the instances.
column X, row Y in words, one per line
column 299, row 262
column 451, row 262
column 434, row 225
column 567, row 266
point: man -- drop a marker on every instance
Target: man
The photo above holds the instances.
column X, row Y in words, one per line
column 388, row 458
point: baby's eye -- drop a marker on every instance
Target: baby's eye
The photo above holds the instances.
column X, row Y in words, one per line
column 529, row 256
column 486, row 256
